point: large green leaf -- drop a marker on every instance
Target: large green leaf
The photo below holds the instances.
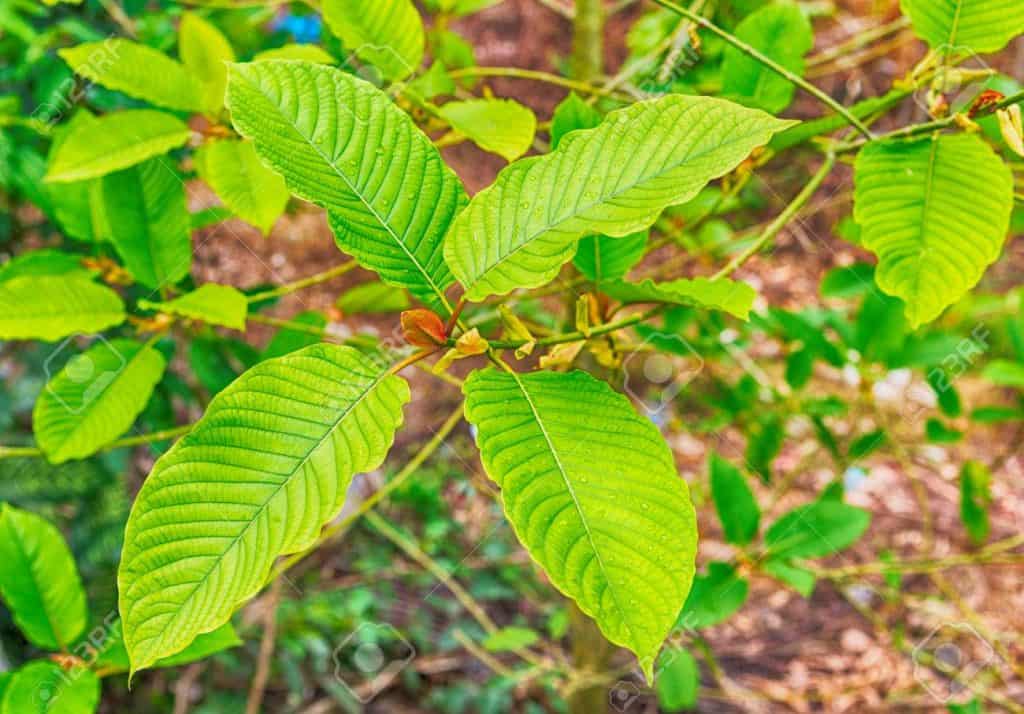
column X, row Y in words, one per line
column 148, row 221
column 732, row 296
column 205, row 51
column 251, row 190
column 968, row 25
column 936, row 213
column 386, row 33
column 342, row 144
column 49, row 307
column 782, row 32
column 116, row 141
column 39, row 581
column 216, row 304
column 137, row 70
column 44, row 687
column 615, row 179
column 261, row 473
column 593, row 493
column 95, row 398
column 503, row 126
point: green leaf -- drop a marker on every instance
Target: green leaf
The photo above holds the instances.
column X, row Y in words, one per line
column 342, row 144
column 572, row 114
column 781, row 32
column 966, row 25
column 138, row 71
column 615, row 180
column 42, row 262
column 800, row 579
column 1005, row 373
column 386, row 33
column 44, row 687
column 288, row 340
column 678, row 681
column 510, row 638
column 306, row 53
column 592, row 491
column 77, row 205
column 148, row 218
column 602, row 258
column 731, row 296
column 114, row 142
column 39, row 581
column 714, row 598
column 502, row 126
column 372, row 298
column 258, row 477
column 936, row 213
column 204, row 51
column 95, row 398
column 216, row 304
column 251, row 190
column 735, row 503
column 975, row 498
column 816, row 529
column 114, row 657
column 938, row 433
column 49, row 307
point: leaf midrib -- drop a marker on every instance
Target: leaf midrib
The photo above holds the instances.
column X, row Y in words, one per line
column 18, row 543
column 328, row 433
column 575, row 500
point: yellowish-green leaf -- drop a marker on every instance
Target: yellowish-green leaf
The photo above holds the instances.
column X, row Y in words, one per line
column 343, row 144
column 258, row 477
column 205, row 51
column 49, row 307
column 386, row 33
column 306, row 53
column 137, row 70
column 251, row 190
column 602, row 258
column 114, row 142
column 95, row 398
column 592, row 491
column 216, row 304
column 615, row 180
column 731, row 296
column 502, row 126
column 936, row 212
column 966, row 25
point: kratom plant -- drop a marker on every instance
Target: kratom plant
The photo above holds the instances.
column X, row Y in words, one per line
column 587, row 481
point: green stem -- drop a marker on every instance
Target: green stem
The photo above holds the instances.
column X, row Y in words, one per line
column 302, row 283
column 535, row 75
column 7, row 452
column 576, row 335
column 588, row 40
column 434, row 568
column 769, row 63
column 782, row 220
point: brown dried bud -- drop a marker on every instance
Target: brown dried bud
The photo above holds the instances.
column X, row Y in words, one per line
column 423, row 328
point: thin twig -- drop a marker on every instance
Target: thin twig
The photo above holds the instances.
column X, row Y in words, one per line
column 172, row 433
column 259, row 682
column 303, row 283
column 782, row 220
column 768, row 62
